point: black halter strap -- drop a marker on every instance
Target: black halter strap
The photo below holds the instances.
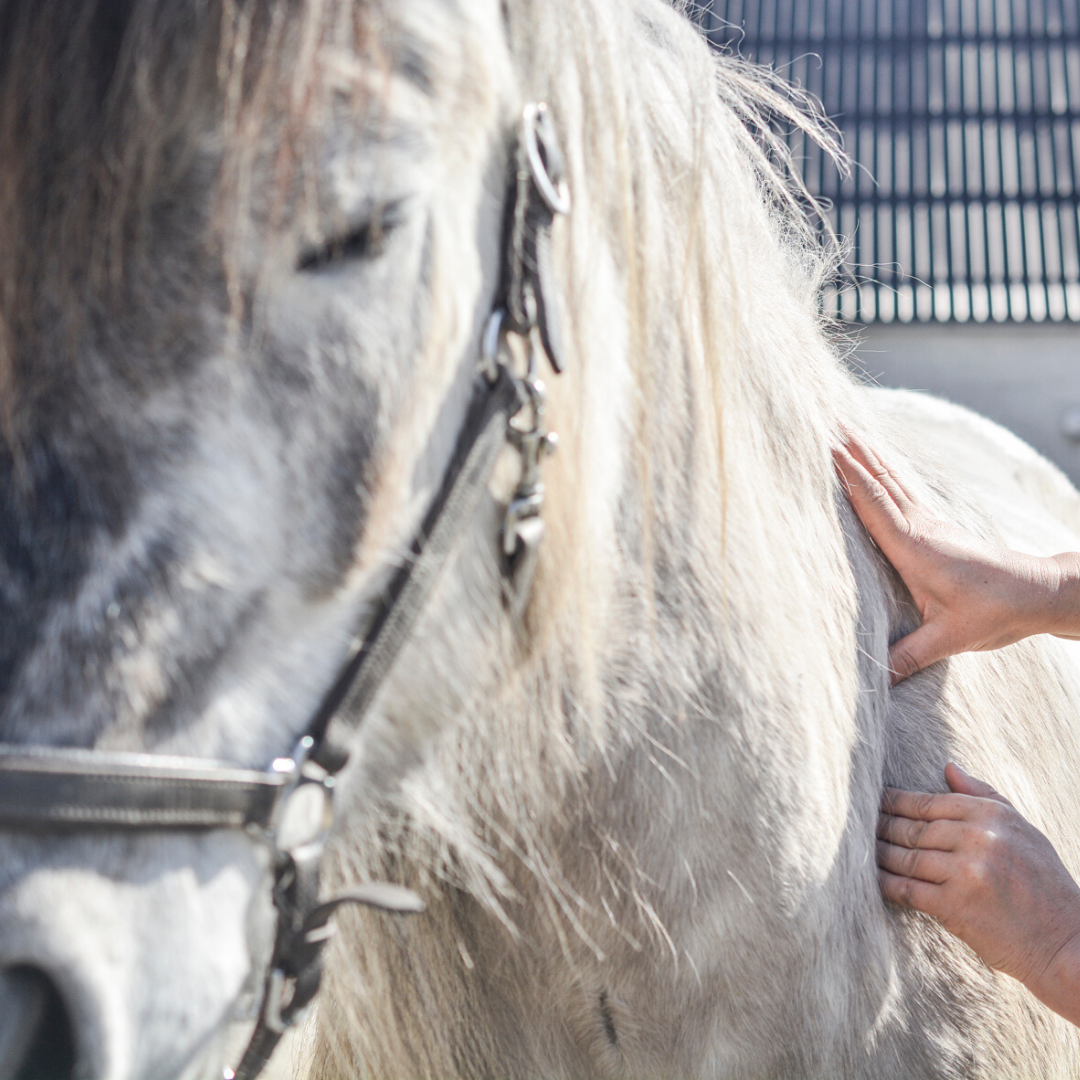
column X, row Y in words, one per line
column 52, row 789
column 482, row 438
column 46, row 788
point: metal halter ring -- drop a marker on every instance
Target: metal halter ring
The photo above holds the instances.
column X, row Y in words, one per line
column 547, row 167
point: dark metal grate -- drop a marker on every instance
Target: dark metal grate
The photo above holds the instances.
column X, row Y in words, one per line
column 964, row 119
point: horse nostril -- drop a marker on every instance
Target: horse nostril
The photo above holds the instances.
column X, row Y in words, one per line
column 36, row 1039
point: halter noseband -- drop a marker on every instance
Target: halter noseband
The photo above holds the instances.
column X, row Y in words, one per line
column 290, row 805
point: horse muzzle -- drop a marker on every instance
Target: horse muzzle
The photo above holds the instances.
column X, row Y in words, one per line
column 127, row 958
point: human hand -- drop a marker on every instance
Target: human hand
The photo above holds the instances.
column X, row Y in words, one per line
column 971, row 595
column 991, row 878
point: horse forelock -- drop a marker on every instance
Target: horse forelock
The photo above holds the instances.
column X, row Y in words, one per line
column 147, row 149
column 129, row 128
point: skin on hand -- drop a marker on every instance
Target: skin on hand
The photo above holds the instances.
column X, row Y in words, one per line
column 991, row 878
column 971, row 595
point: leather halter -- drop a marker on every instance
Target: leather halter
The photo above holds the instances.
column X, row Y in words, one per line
column 289, row 805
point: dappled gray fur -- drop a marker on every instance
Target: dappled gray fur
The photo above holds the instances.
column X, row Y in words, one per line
column 249, row 247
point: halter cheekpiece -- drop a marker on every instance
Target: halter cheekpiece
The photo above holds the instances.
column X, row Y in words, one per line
column 290, row 805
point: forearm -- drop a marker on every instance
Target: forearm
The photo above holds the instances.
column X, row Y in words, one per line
column 1063, row 611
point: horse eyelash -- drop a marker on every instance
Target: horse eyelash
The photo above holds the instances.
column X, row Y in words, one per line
column 367, row 241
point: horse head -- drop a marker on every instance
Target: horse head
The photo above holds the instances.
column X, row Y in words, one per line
column 250, row 249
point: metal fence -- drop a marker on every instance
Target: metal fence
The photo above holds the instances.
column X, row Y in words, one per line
column 963, row 117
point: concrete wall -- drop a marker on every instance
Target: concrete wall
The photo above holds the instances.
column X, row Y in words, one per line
column 1026, row 377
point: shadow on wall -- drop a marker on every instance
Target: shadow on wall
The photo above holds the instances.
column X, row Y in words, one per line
column 1024, row 376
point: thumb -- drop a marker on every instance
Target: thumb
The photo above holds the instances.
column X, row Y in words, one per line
column 963, row 783
column 919, row 649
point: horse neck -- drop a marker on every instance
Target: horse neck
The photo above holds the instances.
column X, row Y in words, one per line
column 732, row 598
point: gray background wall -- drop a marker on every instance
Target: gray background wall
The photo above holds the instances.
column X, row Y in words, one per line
column 1025, row 376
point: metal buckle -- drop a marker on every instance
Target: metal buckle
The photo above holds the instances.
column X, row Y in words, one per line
column 297, row 837
column 289, row 831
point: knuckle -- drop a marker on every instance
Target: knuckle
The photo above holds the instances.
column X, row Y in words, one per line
column 903, row 892
column 916, row 832
column 994, row 819
column 995, row 852
column 977, row 873
column 895, row 889
column 909, row 862
column 979, row 846
column 903, row 662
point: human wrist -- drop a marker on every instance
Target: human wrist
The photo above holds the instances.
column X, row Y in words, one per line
column 1037, row 595
column 1062, row 614
column 1058, row 984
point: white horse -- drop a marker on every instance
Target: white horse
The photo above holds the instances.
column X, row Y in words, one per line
column 249, row 252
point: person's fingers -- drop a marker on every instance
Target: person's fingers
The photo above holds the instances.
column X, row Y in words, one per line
column 876, row 467
column 910, row 892
column 965, row 784
column 875, row 506
column 921, row 648
column 865, row 480
column 940, row 835
column 913, row 862
column 924, row 806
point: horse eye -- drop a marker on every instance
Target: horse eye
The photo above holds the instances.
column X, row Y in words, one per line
column 367, row 241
